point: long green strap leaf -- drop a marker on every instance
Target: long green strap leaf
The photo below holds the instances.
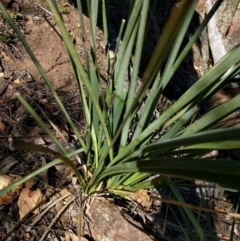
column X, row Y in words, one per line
column 224, row 172
column 29, row 146
column 75, row 58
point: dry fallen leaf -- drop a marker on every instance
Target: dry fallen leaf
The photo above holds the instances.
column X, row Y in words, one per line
column 141, row 197
column 5, row 181
column 29, row 199
column 17, row 81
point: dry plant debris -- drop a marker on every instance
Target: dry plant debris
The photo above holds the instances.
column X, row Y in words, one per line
column 29, row 199
column 6, row 180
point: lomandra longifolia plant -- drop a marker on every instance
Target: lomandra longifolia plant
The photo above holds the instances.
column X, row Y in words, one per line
column 121, row 132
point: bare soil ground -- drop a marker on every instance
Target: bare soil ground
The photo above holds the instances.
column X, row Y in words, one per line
column 57, row 212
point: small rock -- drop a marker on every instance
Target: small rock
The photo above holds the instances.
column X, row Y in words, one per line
column 108, row 223
column 39, row 141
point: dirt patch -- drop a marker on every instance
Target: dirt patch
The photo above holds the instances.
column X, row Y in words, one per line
column 43, row 38
column 19, row 74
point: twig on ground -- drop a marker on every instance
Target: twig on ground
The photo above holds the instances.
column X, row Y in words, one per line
column 56, row 218
column 39, row 216
column 44, row 9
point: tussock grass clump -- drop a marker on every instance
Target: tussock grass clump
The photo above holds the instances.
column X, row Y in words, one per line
column 121, row 151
